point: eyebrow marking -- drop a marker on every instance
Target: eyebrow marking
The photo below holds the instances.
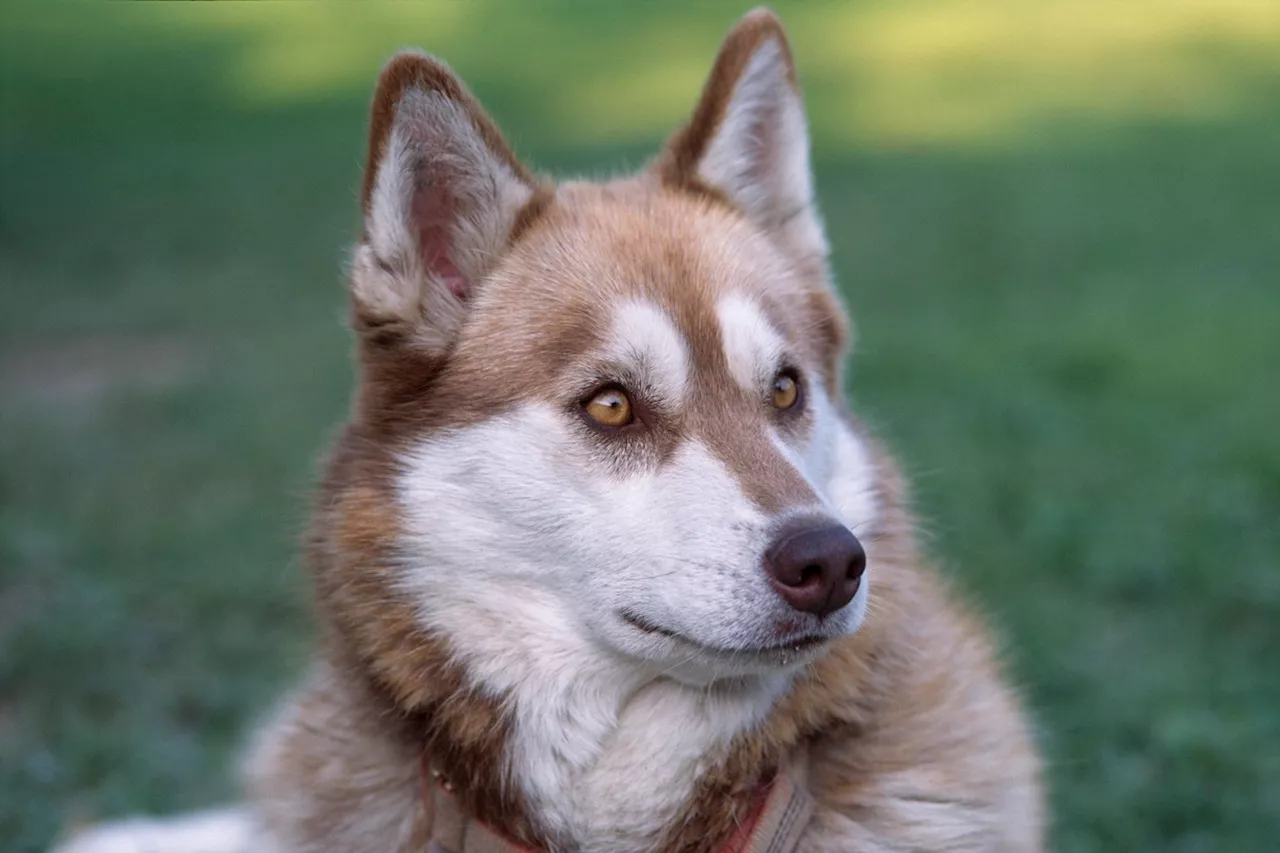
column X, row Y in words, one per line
column 753, row 348
column 643, row 335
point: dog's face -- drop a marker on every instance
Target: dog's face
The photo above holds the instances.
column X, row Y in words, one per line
column 614, row 409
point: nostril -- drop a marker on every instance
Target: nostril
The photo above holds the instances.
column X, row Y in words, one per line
column 816, row 568
column 857, row 564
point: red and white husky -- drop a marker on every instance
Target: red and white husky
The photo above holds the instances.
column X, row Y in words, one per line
column 603, row 562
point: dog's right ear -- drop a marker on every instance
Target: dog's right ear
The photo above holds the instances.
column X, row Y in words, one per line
column 442, row 194
column 748, row 141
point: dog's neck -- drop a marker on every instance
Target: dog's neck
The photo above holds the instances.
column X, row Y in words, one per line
column 610, row 757
column 596, row 752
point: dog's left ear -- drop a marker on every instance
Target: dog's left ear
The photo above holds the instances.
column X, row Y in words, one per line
column 748, row 141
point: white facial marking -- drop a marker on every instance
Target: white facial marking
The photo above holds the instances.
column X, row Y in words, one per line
column 851, row 488
column 643, row 335
column 753, row 348
column 555, row 548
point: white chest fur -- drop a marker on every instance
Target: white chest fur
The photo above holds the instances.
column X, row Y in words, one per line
column 610, row 763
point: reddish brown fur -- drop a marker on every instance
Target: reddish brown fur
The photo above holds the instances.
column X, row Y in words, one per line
column 378, row 649
column 913, row 733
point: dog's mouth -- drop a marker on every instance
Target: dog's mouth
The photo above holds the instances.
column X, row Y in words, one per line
column 784, row 649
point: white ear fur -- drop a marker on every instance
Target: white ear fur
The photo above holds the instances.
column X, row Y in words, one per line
column 440, row 209
column 747, row 140
column 758, row 155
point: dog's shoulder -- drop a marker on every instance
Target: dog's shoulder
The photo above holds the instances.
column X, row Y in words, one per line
column 332, row 770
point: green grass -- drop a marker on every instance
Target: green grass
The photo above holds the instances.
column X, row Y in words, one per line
column 1069, row 331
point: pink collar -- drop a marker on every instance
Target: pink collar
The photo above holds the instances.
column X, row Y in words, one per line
column 780, row 811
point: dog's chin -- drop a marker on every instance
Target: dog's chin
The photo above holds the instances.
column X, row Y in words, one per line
column 687, row 657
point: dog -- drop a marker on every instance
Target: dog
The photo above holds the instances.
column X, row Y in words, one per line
column 602, row 561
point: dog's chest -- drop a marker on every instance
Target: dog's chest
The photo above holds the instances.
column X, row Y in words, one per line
column 612, row 773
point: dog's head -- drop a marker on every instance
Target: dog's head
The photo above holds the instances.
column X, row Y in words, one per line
column 612, row 412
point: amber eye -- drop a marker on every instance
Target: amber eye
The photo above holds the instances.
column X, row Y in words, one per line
column 610, row 407
column 785, row 390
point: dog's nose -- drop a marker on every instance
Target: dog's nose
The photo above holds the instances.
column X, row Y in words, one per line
column 816, row 568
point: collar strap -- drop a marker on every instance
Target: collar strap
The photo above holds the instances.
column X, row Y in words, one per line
column 780, row 811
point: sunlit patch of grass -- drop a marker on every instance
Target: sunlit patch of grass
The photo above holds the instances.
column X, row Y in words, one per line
column 978, row 70
column 950, row 72
column 289, row 52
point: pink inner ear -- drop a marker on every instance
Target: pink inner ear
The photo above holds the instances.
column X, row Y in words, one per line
column 433, row 214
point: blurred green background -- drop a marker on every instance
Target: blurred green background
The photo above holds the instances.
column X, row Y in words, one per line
column 1058, row 224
